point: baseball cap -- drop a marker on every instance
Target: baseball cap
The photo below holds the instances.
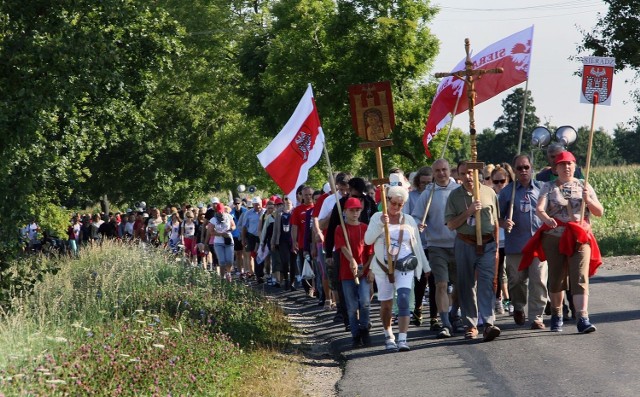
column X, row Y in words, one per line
column 352, row 202
column 220, row 207
column 277, row 201
column 215, row 200
column 564, row 157
column 256, row 200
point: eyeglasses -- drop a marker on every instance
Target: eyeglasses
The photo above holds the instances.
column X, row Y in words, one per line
column 522, row 167
column 499, row 181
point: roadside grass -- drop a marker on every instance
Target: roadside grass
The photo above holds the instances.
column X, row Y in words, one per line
column 618, row 189
column 124, row 320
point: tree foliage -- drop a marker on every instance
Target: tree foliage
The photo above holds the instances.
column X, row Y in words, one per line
column 334, row 44
column 501, row 144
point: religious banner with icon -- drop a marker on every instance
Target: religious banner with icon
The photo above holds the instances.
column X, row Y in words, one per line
column 372, row 110
column 597, row 77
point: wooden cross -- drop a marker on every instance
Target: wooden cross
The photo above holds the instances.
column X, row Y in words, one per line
column 469, row 74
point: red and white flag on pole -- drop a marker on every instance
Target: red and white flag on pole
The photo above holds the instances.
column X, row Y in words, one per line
column 513, row 54
column 296, row 148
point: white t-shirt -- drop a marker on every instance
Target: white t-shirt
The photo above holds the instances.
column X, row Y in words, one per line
column 327, row 206
column 223, row 226
column 189, row 229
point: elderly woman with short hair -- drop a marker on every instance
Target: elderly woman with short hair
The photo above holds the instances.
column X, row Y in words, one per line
column 405, row 241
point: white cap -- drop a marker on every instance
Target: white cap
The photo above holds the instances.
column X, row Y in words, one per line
column 326, row 188
column 256, row 200
column 200, row 205
column 396, row 179
column 215, row 200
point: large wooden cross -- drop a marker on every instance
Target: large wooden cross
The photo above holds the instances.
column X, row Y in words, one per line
column 469, row 75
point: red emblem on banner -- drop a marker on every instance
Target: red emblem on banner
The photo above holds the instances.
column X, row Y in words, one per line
column 372, row 110
column 597, row 77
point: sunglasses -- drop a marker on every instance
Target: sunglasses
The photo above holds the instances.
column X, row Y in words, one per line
column 499, row 181
column 522, row 167
column 487, row 178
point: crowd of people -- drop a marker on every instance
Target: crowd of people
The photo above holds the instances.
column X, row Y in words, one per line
column 518, row 242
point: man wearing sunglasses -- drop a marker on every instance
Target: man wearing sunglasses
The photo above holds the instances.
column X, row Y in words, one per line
column 522, row 225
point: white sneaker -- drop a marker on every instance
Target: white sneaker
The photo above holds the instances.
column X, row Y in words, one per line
column 390, row 345
column 499, row 307
column 403, row 346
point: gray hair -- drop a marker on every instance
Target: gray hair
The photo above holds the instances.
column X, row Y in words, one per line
column 556, row 148
column 398, row 191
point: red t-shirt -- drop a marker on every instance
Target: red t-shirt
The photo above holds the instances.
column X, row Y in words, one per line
column 359, row 250
column 299, row 218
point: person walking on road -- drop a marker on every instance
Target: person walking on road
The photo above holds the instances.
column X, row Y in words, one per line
column 475, row 295
column 568, row 245
column 355, row 262
column 439, row 240
column 406, row 249
column 523, row 224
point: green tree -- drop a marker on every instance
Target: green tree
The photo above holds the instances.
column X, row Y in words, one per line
column 334, row 45
column 75, row 76
column 628, row 143
column 501, row 144
column 616, row 34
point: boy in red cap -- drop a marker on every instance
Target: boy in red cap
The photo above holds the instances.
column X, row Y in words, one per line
column 355, row 263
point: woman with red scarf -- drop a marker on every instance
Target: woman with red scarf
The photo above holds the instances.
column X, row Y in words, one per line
column 568, row 245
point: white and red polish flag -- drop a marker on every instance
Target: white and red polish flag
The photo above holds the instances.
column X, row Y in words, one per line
column 513, row 54
column 296, row 148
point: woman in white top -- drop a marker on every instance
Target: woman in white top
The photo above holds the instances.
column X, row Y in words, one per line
column 189, row 237
column 400, row 249
column 219, row 231
column 174, row 231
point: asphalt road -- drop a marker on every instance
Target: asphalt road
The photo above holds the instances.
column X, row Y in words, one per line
column 521, row 362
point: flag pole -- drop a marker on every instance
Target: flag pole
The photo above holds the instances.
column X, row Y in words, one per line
column 332, row 182
column 444, row 150
column 520, row 131
column 586, row 172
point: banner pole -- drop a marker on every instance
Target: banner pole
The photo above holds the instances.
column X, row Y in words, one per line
column 332, row 182
column 520, row 131
column 589, row 148
column 444, row 150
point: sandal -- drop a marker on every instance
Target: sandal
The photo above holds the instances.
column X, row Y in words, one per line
column 328, row 306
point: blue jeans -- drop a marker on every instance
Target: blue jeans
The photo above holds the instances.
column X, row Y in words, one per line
column 476, row 294
column 357, row 299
